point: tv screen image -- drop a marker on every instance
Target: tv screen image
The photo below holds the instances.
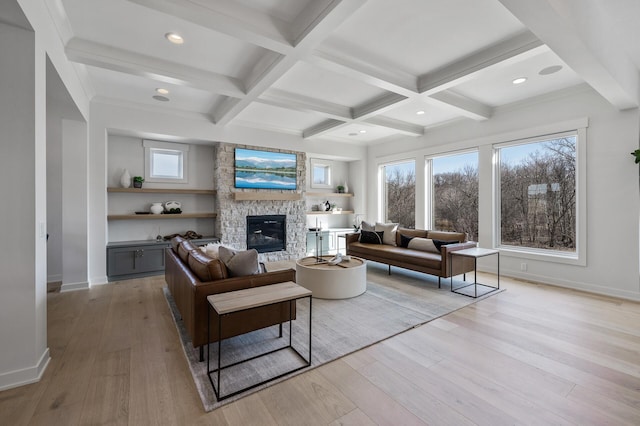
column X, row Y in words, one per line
column 265, row 169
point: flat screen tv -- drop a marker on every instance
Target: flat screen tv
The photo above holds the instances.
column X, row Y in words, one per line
column 265, row 169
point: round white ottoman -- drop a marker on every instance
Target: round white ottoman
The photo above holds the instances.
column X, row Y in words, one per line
column 342, row 281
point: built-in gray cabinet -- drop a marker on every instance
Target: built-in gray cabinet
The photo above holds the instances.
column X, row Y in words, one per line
column 135, row 259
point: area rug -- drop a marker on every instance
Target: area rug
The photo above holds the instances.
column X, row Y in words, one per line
column 391, row 305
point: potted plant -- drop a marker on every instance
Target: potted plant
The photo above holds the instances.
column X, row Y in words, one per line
column 137, row 181
column 340, row 189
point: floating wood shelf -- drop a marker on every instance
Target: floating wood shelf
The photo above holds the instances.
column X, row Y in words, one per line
column 163, row 191
column 332, row 212
column 327, row 194
column 266, row 196
column 160, row 216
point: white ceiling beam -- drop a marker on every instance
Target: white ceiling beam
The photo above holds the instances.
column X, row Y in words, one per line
column 284, row 99
column 401, row 126
column 378, row 106
column 115, row 59
column 385, row 78
column 322, row 128
column 585, row 39
column 230, row 18
column 315, row 32
column 513, row 49
column 461, row 105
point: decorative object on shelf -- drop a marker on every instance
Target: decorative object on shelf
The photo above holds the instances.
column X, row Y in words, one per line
column 168, row 205
column 156, row 208
column 125, row 179
column 327, row 206
column 636, row 154
column 346, row 187
column 340, row 189
column 189, row 235
column 137, row 181
column 142, row 212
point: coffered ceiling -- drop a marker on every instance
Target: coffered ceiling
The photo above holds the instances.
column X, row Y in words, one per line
column 358, row 71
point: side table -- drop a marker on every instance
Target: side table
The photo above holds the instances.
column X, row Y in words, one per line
column 241, row 300
column 474, row 253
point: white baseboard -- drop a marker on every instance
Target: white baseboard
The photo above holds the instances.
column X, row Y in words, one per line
column 98, row 280
column 74, row 286
column 13, row 379
column 54, row 278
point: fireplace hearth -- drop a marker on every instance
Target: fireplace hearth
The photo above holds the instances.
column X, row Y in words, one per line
column 267, row 233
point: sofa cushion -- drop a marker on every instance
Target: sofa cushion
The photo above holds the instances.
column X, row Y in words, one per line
column 423, row 244
column 409, row 233
column 206, row 268
column 184, row 248
column 175, row 242
column 371, row 237
column 240, row 263
column 389, row 230
column 366, row 226
column 396, row 255
column 447, row 236
column 440, row 243
column 404, row 240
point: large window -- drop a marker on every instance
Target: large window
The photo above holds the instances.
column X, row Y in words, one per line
column 454, row 197
column 398, row 198
column 537, row 194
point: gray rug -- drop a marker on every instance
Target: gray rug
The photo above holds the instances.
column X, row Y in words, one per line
column 391, row 305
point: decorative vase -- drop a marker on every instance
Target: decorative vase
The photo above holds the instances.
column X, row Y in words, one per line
column 125, row 179
column 156, row 208
column 327, row 206
column 346, row 187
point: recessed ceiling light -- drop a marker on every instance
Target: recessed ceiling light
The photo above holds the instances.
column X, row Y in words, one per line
column 174, row 38
column 519, row 80
column 162, row 91
column 420, row 112
column 363, row 131
column 160, row 98
column 550, row 70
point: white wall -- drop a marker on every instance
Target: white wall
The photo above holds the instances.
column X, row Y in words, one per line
column 613, row 202
column 54, row 194
column 24, row 354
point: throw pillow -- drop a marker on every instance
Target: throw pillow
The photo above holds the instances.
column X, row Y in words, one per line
column 404, row 240
column 366, row 226
column 371, row 237
column 440, row 243
column 206, row 268
column 389, row 230
column 240, row 263
column 211, row 250
column 423, row 244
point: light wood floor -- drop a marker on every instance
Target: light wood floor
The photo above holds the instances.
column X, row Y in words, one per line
column 530, row 355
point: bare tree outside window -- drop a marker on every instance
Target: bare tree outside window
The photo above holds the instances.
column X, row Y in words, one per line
column 455, row 194
column 399, row 193
column 538, row 195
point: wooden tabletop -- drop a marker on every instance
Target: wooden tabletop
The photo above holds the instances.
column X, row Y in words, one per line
column 239, row 300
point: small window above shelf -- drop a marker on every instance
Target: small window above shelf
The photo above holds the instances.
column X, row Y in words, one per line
column 162, row 191
column 327, row 194
column 161, row 216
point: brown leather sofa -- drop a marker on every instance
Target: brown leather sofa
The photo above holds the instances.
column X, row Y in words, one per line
column 437, row 264
column 191, row 276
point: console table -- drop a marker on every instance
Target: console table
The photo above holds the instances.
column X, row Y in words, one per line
column 241, row 300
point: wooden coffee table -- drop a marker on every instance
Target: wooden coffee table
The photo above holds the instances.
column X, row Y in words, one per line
column 342, row 281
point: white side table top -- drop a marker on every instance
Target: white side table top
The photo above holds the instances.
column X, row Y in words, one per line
column 474, row 252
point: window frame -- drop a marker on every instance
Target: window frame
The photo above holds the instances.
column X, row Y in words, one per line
column 151, row 147
column 382, row 197
column 328, row 165
column 574, row 258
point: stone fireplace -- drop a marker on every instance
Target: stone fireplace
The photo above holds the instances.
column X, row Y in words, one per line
column 231, row 222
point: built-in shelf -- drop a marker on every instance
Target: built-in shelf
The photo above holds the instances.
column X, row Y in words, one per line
column 163, row 191
column 160, row 216
column 266, row 196
column 331, row 212
column 327, row 194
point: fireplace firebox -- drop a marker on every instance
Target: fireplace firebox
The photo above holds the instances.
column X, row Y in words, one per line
column 267, row 233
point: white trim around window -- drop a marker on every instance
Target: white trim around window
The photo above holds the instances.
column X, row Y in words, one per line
column 176, row 153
